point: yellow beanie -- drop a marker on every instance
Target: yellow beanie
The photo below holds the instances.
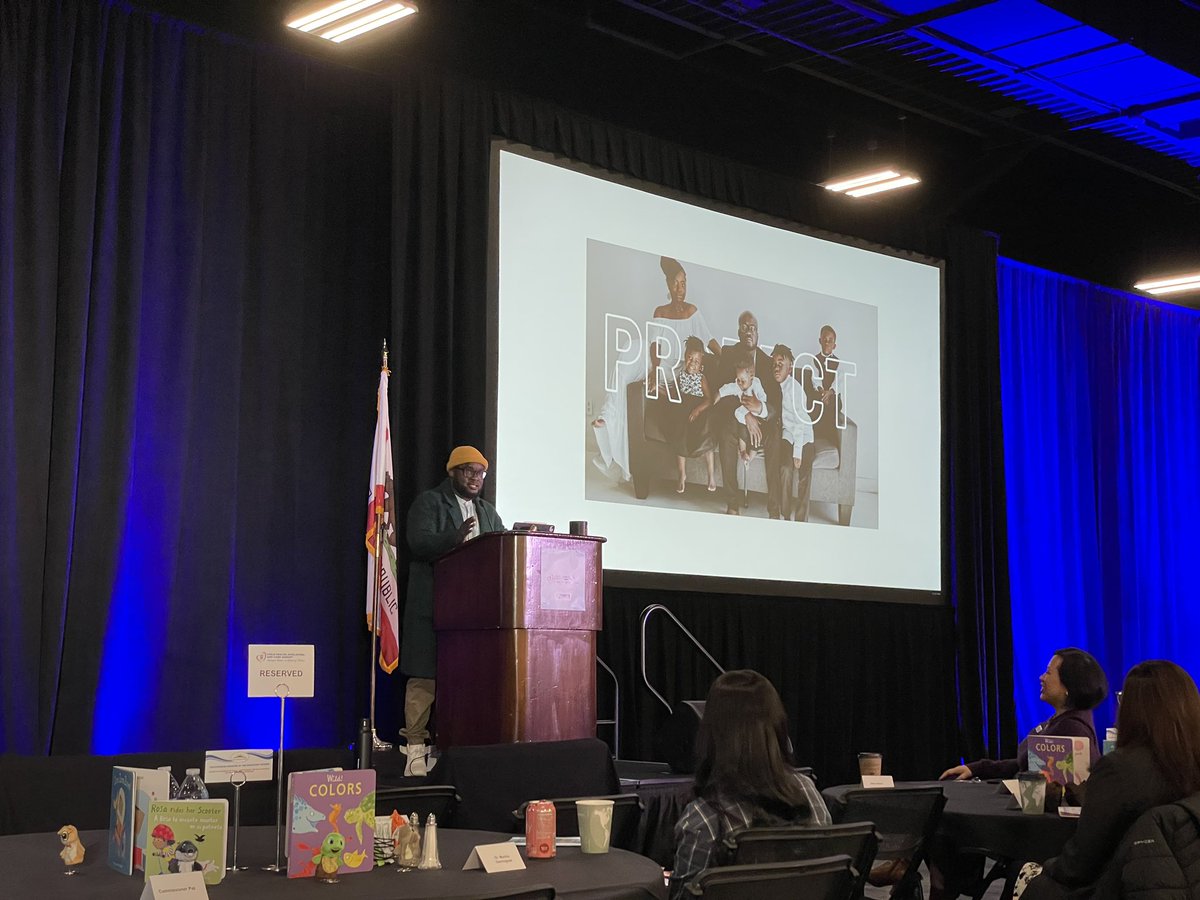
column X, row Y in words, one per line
column 460, row 456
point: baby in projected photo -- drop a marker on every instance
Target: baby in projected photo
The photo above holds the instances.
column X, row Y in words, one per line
column 752, row 399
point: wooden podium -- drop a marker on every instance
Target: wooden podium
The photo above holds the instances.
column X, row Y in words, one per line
column 516, row 616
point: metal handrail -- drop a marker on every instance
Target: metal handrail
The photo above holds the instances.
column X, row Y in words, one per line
column 616, row 719
column 646, row 613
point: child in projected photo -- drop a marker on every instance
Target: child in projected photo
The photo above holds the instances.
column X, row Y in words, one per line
column 688, row 433
column 751, row 399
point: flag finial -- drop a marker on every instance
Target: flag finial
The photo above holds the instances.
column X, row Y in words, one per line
column 385, row 355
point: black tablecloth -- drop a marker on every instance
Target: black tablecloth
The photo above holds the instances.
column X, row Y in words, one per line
column 985, row 816
column 35, row 871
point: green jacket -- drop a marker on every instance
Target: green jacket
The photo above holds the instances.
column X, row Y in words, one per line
column 433, row 522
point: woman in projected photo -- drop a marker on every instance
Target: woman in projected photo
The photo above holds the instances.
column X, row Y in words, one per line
column 744, row 774
column 685, row 320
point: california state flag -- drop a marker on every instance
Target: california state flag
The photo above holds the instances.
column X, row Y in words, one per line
column 381, row 508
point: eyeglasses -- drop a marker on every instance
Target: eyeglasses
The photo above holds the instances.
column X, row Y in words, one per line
column 472, row 472
column 747, row 326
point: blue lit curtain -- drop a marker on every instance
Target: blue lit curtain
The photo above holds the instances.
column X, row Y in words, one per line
column 193, row 289
column 1101, row 394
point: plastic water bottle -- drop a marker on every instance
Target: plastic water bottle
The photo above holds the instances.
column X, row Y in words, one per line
column 174, row 789
column 193, row 788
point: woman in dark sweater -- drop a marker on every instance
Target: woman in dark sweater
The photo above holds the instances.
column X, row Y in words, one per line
column 1157, row 761
column 1074, row 684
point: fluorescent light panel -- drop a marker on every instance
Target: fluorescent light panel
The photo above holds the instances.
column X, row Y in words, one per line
column 872, row 183
column 346, row 19
column 890, row 185
column 1175, row 285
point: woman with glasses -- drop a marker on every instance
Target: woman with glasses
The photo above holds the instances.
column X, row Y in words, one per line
column 1157, row 761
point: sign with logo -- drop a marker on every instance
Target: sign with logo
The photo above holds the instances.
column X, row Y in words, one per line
column 281, row 670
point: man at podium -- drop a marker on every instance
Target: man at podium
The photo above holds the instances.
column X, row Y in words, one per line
column 438, row 520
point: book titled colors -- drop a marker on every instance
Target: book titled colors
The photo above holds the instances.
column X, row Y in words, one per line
column 1062, row 759
column 332, row 823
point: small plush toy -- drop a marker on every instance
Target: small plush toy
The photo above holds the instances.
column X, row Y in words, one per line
column 72, row 851
column 329, row 858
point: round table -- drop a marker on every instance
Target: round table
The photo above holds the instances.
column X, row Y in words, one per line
column 37, row 872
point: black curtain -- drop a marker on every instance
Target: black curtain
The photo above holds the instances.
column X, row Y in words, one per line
column 194, row 269
column 195, row 247
column 855, row 675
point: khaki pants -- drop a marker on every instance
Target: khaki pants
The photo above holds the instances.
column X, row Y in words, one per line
column 418, row 700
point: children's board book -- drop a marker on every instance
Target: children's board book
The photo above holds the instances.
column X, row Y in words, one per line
column 121, row 811
column 148, row 785
column 331, row 823
column 1062, row 759
column 188, row 836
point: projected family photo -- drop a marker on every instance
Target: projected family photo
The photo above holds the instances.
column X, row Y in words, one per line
column 715, row 392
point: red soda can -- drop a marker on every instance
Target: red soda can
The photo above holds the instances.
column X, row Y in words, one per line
column 540, row 824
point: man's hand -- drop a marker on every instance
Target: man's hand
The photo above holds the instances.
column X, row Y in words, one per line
column 798, row 463
column 464, row 530
column 755, row 429
column 694, row 414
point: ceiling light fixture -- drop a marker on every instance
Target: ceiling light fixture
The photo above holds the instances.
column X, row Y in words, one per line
column 1174, row 285
column 346, row 19
column 871, row 183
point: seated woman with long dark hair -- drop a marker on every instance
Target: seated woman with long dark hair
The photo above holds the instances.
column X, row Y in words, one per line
column 1157, row 761
column 744, row 774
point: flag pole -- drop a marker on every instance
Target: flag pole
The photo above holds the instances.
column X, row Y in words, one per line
column 376, row 621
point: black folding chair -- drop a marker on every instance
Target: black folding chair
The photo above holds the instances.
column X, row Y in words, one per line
column 787, row 843
column 828, row 878
column 627, row 813
column 905, row 820
column 423, row 799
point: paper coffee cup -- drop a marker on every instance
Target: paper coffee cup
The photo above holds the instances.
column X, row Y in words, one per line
column 870, row 764
column 595, row 824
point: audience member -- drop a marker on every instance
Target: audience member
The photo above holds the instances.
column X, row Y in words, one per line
column 1074, row 684
column 1157, row 761
column 744, row 774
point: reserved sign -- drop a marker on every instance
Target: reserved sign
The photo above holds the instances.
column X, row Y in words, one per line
column 281, row 670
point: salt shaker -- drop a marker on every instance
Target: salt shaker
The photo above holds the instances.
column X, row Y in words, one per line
column 429, row 851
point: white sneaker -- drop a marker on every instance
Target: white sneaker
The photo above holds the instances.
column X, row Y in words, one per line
column 416, row 766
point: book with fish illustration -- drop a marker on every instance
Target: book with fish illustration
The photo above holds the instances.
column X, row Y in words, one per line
column 1062, row 759
column 331, row 823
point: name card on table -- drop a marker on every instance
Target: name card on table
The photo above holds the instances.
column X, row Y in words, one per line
column 180, row 886
column 281, row 670
column 238, row 765
column 877, row 781
column 503, row 857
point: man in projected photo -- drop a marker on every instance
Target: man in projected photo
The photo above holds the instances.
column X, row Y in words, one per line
column 438, row 520
column 762, row 430
column 796, row 447
column 825, row 388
